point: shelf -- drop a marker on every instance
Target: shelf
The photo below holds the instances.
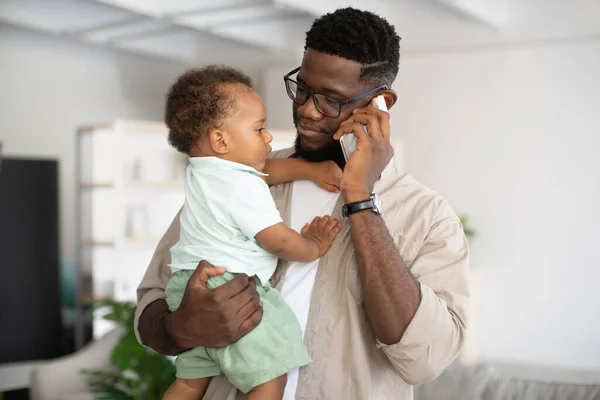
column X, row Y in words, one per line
column 135, row 185
column 136, row 190
column 175, row 184
column 142, row 241
column 96, row 185
column 132, row 241
column 94, row 242
column 127, row 126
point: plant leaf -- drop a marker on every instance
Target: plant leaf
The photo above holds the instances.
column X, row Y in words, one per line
column 139, row 374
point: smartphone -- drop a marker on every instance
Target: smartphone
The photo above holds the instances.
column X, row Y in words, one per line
column 348, row 141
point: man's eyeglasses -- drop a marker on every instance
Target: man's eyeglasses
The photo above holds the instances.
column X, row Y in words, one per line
column 327, row 105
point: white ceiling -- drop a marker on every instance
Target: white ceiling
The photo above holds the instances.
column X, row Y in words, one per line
column 269, row 30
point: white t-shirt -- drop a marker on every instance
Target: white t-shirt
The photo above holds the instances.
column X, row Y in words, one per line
column 226, row 205
column 308, row 201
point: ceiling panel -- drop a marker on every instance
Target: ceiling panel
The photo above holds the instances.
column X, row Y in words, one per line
column 175, row 43
column 277, row 35
column 115, row 33
column 189, row 46
column 60, row 16
column 188, row 29
column 539, row 18
column 163, row 8
column 246, row 15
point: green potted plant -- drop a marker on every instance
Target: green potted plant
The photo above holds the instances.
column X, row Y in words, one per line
column 469, row 232
column 138, row 373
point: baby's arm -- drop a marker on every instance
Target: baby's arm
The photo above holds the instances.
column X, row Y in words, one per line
column 288, row 244
column 327, row 175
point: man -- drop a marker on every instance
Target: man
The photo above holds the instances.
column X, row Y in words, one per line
column 386, row 307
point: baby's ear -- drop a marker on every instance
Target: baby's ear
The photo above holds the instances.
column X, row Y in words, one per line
column 219, row 141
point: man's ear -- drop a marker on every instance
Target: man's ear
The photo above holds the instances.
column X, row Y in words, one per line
column 390, row 97
column 219, row 141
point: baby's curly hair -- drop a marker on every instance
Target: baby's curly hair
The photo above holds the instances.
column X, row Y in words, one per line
column 359, row 36
column 197, row 103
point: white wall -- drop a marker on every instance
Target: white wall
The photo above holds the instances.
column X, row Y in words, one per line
column 50, row 85
column 511, row 137
column 279, row 105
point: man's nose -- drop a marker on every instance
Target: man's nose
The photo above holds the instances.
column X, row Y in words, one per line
column 308, row 110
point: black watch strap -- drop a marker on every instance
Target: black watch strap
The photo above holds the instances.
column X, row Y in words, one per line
column 357, row 206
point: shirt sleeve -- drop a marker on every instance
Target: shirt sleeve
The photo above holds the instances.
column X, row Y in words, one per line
column 251, row 205
column 436, row 333
column 152, row 286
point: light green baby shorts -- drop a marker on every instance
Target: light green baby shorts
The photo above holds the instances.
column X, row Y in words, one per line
column 270, row 350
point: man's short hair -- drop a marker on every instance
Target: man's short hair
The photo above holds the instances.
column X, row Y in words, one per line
column 199, row 101
column 359, row 36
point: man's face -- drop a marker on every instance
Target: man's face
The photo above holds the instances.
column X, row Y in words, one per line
column 336, row 77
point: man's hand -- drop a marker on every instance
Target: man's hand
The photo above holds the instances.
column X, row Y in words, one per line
column 326, row 175
column 214, row 317
column 373, row 151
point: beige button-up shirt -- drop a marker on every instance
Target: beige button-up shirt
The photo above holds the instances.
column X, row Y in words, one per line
column 348, row 360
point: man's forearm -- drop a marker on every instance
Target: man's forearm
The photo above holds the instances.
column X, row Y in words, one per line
column 391, row 294
column 153, row 328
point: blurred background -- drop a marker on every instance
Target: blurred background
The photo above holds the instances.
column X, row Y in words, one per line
column 498, row 111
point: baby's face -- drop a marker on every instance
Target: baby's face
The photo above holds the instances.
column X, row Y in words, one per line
column 249, row 137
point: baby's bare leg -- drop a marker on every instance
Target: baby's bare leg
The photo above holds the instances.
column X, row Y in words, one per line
column 272, row 390
column 187, row 389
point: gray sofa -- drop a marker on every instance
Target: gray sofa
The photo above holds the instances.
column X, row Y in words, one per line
column 60, row 379
column 497, row 381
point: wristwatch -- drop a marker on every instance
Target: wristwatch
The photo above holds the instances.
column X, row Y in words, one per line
column 371, row 204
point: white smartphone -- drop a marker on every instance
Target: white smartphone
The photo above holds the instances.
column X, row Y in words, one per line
column 348, row 141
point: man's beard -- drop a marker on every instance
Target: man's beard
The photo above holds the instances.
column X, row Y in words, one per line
column 331, row 151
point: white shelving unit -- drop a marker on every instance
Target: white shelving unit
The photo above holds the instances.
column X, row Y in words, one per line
column 130, row 186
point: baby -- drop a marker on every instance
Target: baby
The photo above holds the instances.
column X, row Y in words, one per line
column 229, row 219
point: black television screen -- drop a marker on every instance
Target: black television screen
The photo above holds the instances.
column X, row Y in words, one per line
column 30, row 319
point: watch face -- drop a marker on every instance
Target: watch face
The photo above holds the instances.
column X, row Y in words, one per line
column 376, row 204
column 344, row 211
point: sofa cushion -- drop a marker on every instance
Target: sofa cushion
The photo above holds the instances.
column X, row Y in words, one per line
column 504, row 388
column 457, row 382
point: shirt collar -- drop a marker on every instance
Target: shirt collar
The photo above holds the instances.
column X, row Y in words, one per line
column 218, row 164
column 392, row 171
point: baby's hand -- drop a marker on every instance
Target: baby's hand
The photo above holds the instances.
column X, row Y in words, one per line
column 327, row 175
column 322, row 230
